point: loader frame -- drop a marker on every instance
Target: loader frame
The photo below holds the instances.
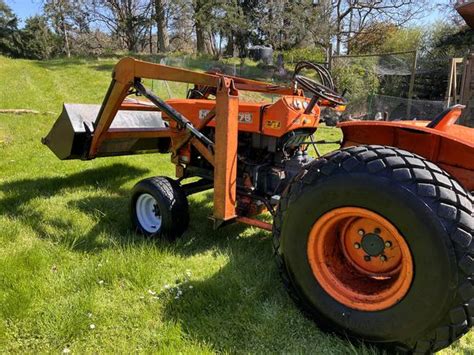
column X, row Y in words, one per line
column 126, row 79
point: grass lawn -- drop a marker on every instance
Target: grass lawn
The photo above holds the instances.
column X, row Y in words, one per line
column 74, row 276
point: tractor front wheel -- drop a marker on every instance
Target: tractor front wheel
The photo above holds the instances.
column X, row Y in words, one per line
column 376, row 243
column 159, row 208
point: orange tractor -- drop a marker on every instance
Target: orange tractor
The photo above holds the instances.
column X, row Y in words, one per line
column 373, row 241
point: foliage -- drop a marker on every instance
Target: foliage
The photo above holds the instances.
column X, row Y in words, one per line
column 311, row 54
column 403, row 40
column 359, row 78
column 448, row 40
column 10, row 41
column 386, row 38
column 39, row 42
column 355, row 17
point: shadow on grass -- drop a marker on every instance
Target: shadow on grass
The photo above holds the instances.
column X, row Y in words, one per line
column 102, row 67
column 18, row 195
column 241, row 308
column 55, row 64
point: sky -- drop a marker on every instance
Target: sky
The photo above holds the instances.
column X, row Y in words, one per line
column 26, row 8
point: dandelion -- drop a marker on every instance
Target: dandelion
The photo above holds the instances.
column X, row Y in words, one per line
column 92, row 326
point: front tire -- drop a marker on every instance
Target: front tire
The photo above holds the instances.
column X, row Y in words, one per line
column 159, row 208
column 417, row 217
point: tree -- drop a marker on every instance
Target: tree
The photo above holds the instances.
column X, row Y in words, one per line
column 126, row 19
column 352, row 17
column 449, row 40
column 161, row 25
column 39, row 42
column 61, row 12
column 287, row 24
column 385, row 38
column 10, row 41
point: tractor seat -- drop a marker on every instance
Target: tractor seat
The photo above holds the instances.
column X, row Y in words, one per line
column 446, row 118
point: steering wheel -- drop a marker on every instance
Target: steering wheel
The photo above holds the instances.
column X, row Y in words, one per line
column 324, row 90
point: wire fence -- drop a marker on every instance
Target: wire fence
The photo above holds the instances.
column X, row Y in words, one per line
column 394, row 86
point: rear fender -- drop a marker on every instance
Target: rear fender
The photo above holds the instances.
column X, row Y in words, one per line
column 452, row 149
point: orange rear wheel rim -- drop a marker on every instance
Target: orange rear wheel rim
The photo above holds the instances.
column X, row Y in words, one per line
column 360, row 259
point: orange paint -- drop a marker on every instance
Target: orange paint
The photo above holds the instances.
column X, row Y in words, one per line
column 339, row 262
column 449, row 145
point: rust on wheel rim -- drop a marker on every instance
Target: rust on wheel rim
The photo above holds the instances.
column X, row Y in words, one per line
column 360, row 259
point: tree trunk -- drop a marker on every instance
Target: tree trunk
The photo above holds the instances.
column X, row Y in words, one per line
column 66, row 42
column 199, row 26
column 200, row 38
column 63, row 28
column 229, row 50
column 162, row 31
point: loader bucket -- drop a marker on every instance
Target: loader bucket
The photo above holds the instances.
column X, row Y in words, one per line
column 70, row 136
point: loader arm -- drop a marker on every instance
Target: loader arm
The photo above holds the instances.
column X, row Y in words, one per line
column 222, row 153
column 129, row 71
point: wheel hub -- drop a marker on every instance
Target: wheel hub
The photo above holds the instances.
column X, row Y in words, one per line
column 360, row 259
column 148, row 213
column 373, row 244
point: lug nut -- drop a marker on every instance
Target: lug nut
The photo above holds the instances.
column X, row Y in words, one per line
column 388, row 244
column 357, row 245
column 367, row 258
column 361, row 232
column 377, row 231
column 383, row 258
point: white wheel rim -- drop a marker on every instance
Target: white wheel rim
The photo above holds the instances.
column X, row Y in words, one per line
column 148, row 213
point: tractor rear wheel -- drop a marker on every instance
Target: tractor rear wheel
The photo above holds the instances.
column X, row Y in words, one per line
column 375, row 243
column 159, row 208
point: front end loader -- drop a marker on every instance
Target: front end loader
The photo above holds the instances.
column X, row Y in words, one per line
column 373, row 241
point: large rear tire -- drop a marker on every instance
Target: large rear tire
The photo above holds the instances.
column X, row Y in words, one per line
column 159, row 208
column 375, row 243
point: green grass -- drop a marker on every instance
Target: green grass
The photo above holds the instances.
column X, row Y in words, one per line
column 69, row 261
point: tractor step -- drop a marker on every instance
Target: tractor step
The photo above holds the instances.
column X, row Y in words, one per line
column 71, row 134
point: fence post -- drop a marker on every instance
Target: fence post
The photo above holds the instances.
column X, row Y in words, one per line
column 412, row 84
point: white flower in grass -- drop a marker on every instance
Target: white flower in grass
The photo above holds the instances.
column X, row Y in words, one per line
column 101, row 282
column 151, row 292
column 190, row 286
column 92, row 326
column 188, row 273
column 66, row 350
column 167, row 287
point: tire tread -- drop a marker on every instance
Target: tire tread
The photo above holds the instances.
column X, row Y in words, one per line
column 431, row 184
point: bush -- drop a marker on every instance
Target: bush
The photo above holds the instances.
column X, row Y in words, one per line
column 359, row 78
column 298, row 54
